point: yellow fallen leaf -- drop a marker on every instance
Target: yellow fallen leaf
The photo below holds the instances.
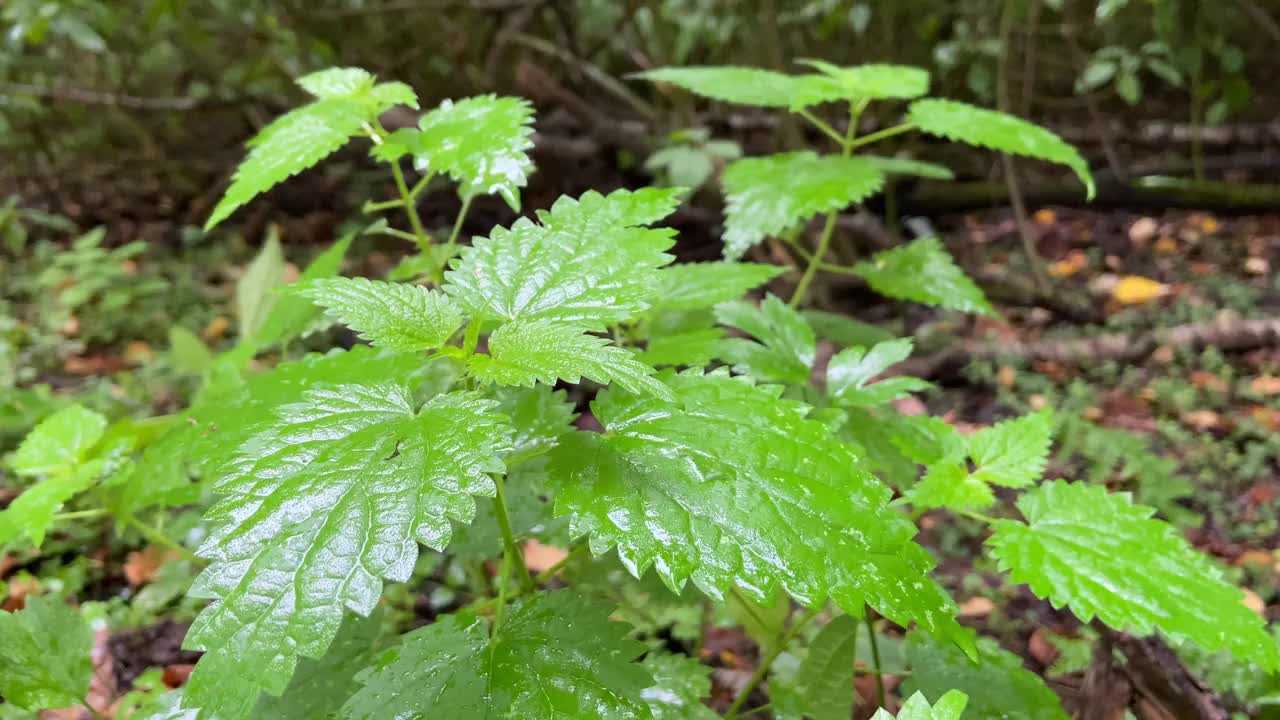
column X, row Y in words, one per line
column 1070, row 265
column 1045, row 216
column 1135, row 290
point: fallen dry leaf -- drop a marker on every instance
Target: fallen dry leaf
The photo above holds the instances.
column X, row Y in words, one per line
column 1254, row 602
column 176, row 675
column 1202, row 419
column 1208, row 381
column 137, row 352
column 976, row 606
column 1265, row 385
column 1204, row 222
column 1166, row 246
column 216, row 328
column 140, row 567
column 1257, row 266
column 1006, row 376
column 1260, row 558
column 1142, row 230
column 1135, row 290
column 1045, row 216
column 102, row 686
column 539, row 557
column 1039, row 647
column 1074, row 262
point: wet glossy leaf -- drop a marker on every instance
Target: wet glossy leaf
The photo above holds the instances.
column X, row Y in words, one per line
column 59, row 443
column 317, row 508
column 32, row 513
column 319, row 687
column 740, row 85
column 45, row 655
column 971, row 125
column 589, row 261
column 1013, row 453
column 693, row 286
column 481, row 142
column 732, row 485
column 336, row 82
column 691, row 348
column 850, row 372
column 949, row 484
column 1100, row 555
column 786, row 346
column 924, row 272
column 556, row 656
column 767, row 195
column 523, row 353
column 292, row 317
column 907, row 166
column 997, row 685
column 404, row 318
column 679, row 685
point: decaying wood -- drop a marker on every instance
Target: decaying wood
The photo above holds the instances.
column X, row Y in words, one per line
column 1227, row 332
column 1165, row 688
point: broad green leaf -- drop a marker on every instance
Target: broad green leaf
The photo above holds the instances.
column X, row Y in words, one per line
column 859, row 82
column 825, row 678
column 1013, row 453
column 1102, row 556
column 907, row 166
column 539, row 417
column 255, row 292
column 291, row 316
column 59, row 443
column 32, row 512
column 481, row 142
column 679, row 685
column 346, row 102
column 764, row 624
column 949, row 484
column 949, row 707
column 923, row 271
column 556, row 656
column 187, row 352
column 732, row 486
column 740, row 85
column 767, row 195
column 336, row 82
column 691, row 348
column 316, row 509
column 786, row 349
column 693, row 286
column 45, row 655
column 971, row 125
column 524, row 353
column 404, row 318
column 589, row 261
column 844, row 330
column 850, row 372
column 997, row 685
column 319, row 687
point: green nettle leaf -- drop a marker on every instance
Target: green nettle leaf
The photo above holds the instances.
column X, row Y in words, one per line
column 692, row 348
column 907, row 166
column 949, row 484
column 997, row 685
column 187, row 352
column 346, row 102
column 949, row 707
column 1013, row 453
column 404, row 318
column 1100, row 555
column 317, row 508
column 694, row 286
column 999, row 131
column 291, row 316
column 539, row 416
column 843, row 330
column 481, row 142
column 587, row 261
column 860, row 82
column 767, row 195
column 319, row 687
column 45, row 655
column 732, row 485
column 522, row 353
column 850, row 371
column 740, row 85
column 787, row 346
column 923, row 271
column 32, row 513
column 556, row 656
column 679, row 685
column 825, row 678
column 59, row 442
column 256, row 290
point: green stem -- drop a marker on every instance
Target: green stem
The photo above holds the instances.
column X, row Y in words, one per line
column 502, row 595
column 822, row 125
column 882, row 134
column 753, row 711
column 419, row 186
column 541, row 578
column 373, row 207
column 453, row 237
column 411, row 209
column 81, row 514
column 875, row 657
column 156, row 537
column 508, row 537
column 828, row 228
column 763, row 668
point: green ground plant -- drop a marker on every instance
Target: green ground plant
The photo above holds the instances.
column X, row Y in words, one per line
column 731, row 464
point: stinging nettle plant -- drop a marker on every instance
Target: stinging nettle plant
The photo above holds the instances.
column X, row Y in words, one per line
column 729, row 464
